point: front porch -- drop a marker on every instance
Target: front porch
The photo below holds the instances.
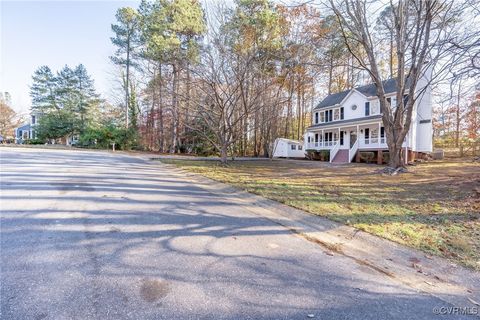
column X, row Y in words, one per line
column 345, row 141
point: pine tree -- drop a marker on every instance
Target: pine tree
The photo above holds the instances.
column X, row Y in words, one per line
column 43, row 90
column 70, row 92
column 126, row 39
column 87, row 98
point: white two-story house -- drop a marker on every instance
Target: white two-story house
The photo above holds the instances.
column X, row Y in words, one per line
column 349, row 122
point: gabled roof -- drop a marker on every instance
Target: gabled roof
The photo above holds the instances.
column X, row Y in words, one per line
column 290, row 140
column 368, row 90
column 24, row 127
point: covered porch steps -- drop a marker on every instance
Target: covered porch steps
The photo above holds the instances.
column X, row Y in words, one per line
column 341, row 156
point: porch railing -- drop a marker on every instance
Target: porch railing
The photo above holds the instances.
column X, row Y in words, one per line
column 322, row 144
column 334, row 151
column 372, row 142
column 352, row 151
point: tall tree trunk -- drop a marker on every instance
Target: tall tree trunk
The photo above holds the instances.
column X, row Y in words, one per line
column 223, row 153
column 289, row 107
column 174, row 131
column 299, row 107
column 396, row 156
column 161, row 128
column 330, row 74
column 187, row 106
column 457, row 117
column 255, row 129
column 127, row 84
column 391, row 55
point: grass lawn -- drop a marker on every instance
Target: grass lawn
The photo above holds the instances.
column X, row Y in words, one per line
column 434, row 208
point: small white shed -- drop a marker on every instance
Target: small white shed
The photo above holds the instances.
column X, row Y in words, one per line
column 286, row 148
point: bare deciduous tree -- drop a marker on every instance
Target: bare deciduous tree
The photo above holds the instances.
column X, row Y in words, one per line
column 423, row 33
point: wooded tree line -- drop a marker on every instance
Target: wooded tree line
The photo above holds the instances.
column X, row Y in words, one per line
column 457, row 115
column 226, row 79
column 230, row 79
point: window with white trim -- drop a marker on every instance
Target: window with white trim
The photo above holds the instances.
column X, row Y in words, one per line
column 374, row 107
column 374, row 137
column 336, row 114
column 367, row 108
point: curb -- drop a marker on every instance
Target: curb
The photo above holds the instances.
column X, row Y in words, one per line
column 402, row 264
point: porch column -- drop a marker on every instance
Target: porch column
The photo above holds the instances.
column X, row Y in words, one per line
column 358, row 135
column 378, row 135
column 338, row 135
column 322, row 139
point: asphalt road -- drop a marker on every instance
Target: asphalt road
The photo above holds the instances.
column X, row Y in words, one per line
column 92, row 235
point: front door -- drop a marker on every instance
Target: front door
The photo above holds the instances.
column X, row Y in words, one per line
column 353, row 138
column 342, row 137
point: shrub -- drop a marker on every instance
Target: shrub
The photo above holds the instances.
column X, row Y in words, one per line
column 104, row 136
column 325, row 155
column 386, row 157
column 367, row 156
column 312, row 154
column 322, row 155
column 35, row 141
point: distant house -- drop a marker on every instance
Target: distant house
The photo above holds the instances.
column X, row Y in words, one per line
column 349, row 122
column 286, row 148
column 23, row 133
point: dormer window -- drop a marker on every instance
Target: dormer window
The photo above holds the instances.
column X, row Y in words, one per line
column 322, row 116
column 342, row 113
column 316, row 117
column 367, row 108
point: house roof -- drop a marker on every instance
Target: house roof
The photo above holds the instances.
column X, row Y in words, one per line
column 352, row 121
column 368, row 90
column 24, row 127
column 290, row 140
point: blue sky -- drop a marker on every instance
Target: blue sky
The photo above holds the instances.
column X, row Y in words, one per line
column 54, row 33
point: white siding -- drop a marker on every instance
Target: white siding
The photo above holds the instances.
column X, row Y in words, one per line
column 354, row 98
column 280, row 149
column 424, row 131
column 283, row 149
